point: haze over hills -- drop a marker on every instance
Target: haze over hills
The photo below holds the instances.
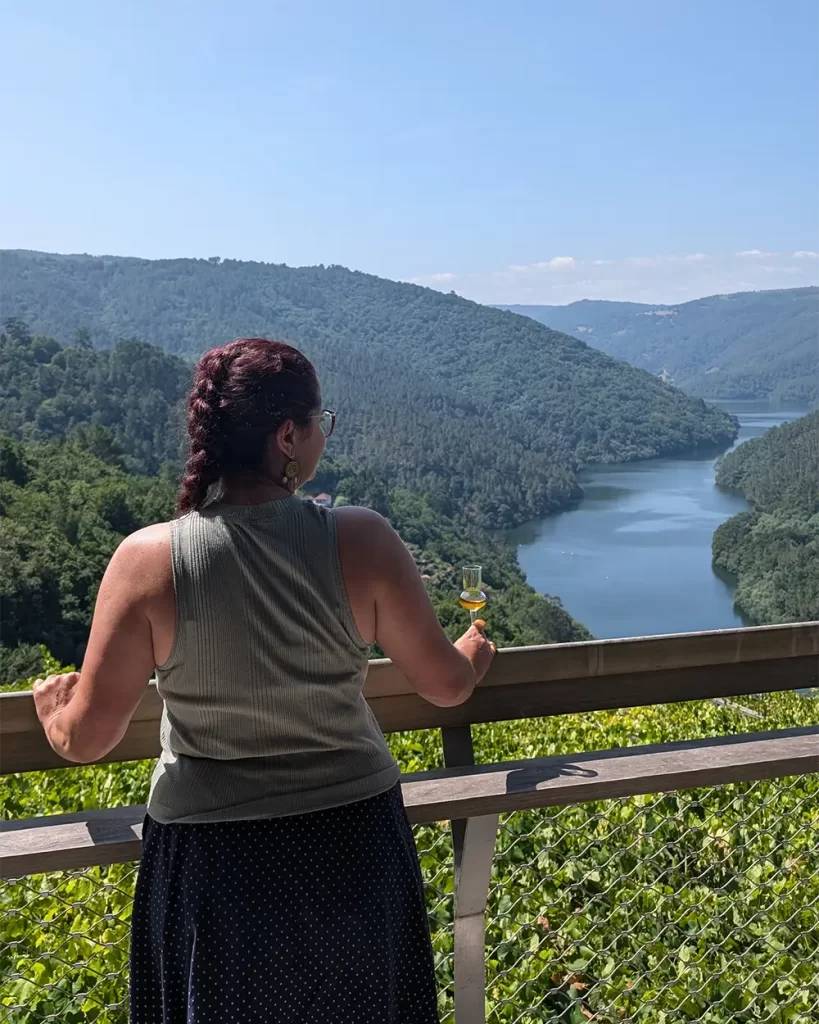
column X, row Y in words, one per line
column 746, row 345
column 487, row 411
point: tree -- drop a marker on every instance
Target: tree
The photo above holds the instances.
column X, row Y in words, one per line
column 17, row 330
column 12, row 461
column 82, row 338
column 100, row 441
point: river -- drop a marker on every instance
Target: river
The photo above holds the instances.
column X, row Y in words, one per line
column 634, row 558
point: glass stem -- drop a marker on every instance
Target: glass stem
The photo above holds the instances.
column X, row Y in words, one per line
column 473, row 614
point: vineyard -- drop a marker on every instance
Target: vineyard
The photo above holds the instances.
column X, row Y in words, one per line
column 694, row 906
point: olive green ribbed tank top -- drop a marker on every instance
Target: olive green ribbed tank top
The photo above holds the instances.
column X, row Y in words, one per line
column 264, row 714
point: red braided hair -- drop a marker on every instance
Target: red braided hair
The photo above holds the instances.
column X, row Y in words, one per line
column 241, row 394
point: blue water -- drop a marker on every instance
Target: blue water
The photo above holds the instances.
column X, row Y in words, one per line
column 634, row 559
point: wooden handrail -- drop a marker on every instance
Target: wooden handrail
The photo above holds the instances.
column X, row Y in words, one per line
column 525, row 682
column 112, row 836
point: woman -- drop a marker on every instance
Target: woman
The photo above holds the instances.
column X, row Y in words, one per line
column 279, row 880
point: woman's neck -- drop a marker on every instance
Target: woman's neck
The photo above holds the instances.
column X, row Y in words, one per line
column 253, row 491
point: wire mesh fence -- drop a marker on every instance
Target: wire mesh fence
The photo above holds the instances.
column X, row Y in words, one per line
column 64, row 946
column 693, row 906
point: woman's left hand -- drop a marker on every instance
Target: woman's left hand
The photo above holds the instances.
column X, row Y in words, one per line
column 53, row 694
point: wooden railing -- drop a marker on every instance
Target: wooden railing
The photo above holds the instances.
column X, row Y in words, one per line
column 523, row 683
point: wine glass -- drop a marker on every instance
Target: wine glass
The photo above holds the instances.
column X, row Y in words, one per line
column 472, row 596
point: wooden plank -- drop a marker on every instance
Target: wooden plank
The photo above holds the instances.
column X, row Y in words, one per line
column 114, row 836
column 569, row 696
column 30, row 751
column 629, row 771
column 66, row 841
column 527, row 682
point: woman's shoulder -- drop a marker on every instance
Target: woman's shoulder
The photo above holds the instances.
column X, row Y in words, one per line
column 146, row 553
column 355, row 521
column 367, row 534
column 157, row 535
column 356, row 516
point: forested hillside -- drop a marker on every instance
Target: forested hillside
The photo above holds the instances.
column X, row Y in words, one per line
column 774, row 549
column 134, row 389
column 491, row 412
column 746, row 345
column 66, row 505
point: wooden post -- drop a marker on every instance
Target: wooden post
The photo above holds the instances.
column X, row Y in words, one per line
column 458, row 753
column 473, row 849
column 471, row 893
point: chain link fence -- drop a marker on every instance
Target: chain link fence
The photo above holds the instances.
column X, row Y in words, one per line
column 697, row 906
column 64, row 946
column 700, row 905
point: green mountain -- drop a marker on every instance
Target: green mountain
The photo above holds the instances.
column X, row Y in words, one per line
column 65, row 505
column 489, row 413
column 747, row 345
column 774, row 549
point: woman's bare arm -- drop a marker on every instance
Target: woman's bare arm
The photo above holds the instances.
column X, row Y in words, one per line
column 86, row 714
column 390, row 605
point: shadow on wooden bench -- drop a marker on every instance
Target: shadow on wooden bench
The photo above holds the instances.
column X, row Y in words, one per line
column 112, row 836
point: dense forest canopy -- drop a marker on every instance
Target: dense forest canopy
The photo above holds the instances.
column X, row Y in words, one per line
column 492, row 412
column 64, row 508
column 65, row 505
column 135, row 390
column 773, row 550
column 746, row 345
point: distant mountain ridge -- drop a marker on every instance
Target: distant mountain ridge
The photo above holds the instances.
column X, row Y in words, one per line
column 487, row 412
column 745, row 345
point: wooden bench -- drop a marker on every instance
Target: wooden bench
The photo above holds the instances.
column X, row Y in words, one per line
column 114, row 835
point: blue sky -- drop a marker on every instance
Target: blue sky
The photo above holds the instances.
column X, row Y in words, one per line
column 536, row 151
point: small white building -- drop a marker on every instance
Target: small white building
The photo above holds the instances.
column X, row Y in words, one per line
column 325, row 500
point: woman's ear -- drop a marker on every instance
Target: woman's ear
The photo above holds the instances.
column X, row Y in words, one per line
column 286, row 439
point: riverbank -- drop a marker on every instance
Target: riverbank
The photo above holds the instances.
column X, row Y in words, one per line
column 634, row 556
column 773, row 549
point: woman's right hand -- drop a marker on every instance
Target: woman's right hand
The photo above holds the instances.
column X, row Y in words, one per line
column 477, row 648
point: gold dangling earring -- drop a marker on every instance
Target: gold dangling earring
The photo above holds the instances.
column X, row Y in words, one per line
column 290, row 480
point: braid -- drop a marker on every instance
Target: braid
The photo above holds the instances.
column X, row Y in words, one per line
column 241, row 394
column 202, row 468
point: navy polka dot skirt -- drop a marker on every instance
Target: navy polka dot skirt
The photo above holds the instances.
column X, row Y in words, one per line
column 311, row 918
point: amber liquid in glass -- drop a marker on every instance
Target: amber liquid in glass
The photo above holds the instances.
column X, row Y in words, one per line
column 472, row 602
column 472, row 596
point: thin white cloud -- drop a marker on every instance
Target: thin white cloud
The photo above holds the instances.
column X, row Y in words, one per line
column 556, row 263
column 432, row 279
column 658, row 279
column 660, row 260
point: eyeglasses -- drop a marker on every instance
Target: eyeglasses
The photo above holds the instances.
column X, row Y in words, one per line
column 327, row 421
